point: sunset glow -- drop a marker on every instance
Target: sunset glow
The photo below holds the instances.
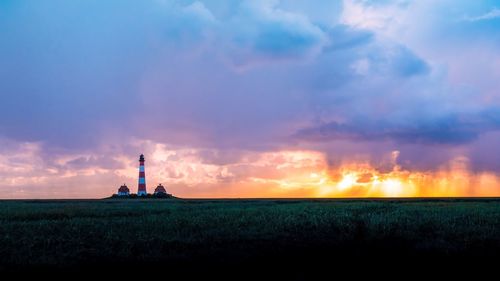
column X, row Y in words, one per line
column 369, row 182
column 289, row 173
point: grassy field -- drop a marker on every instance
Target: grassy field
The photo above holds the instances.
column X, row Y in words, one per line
column 292, row 235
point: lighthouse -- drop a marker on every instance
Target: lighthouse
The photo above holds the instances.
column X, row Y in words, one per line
column 142, row 177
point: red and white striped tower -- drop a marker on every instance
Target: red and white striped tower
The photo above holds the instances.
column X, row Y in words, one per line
column 142, row 178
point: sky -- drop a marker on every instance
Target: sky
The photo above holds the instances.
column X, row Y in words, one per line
column 240, row 98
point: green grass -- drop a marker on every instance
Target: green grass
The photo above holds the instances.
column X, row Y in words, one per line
column 69, row 234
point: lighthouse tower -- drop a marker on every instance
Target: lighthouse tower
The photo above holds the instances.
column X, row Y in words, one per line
column 142, row 178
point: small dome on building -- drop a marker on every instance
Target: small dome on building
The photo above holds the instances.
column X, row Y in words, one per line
column 123, row 190
column 160, row 189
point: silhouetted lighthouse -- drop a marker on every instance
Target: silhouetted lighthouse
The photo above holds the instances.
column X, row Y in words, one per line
column 142, row 177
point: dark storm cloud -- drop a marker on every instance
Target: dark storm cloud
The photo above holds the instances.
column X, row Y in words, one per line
column 450, row 129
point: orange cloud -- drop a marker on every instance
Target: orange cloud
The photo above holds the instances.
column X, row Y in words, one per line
column 186, row 172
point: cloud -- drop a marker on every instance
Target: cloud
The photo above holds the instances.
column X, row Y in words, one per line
column 372, row 15
column 408, row 64
column 450, row 129
column 260, row 30
column 159, row 73
column 493, row 14
column 393, row 60
column 184, row 171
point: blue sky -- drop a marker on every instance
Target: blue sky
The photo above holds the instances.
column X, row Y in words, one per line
column 86, row 86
